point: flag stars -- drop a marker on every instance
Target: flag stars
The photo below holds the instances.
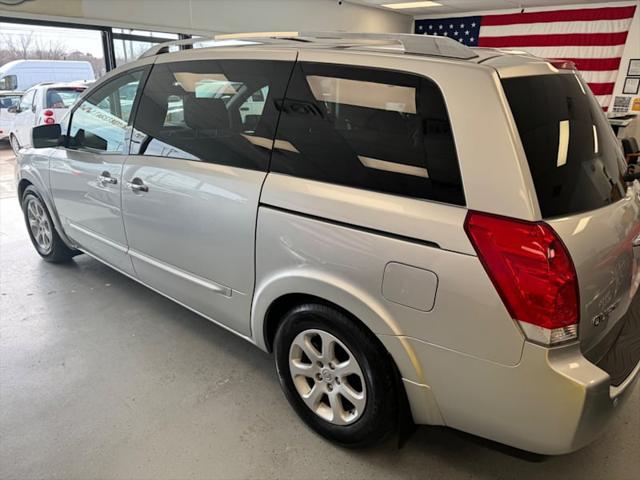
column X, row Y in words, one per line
column 420, row 27
column 455, row 33
column 473, row 25
column 466, row 32
column 430, row 27
column 472, row 39
column 439, row 27
column 462, row 25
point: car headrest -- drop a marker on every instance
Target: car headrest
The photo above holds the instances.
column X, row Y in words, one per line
column 54, row 100
column 205, row 113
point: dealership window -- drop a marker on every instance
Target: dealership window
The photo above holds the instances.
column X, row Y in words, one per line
column 130, row 44
column 22, row 41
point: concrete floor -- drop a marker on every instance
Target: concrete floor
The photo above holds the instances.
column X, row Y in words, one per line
column 102, row 378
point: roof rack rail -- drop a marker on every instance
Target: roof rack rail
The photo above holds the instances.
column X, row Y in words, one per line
column 412, row 43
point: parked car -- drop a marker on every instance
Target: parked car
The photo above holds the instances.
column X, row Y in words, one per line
column 8, row 100
column 43, row 104
column 24, row 74
column 424, row 230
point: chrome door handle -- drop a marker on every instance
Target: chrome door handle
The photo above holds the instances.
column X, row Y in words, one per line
column 137, row 185
column 105, row 177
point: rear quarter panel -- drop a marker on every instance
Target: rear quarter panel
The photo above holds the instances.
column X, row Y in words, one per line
column 345, row 265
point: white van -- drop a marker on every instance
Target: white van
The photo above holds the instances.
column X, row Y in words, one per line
column 23, row 74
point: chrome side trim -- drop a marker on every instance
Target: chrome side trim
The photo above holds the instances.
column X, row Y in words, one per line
column 393, row 167
column 244, row 337
column 100, row 238
column 214, row 287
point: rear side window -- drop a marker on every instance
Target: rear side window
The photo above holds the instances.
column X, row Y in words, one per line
column 574, row 158
column 62, row 97
column 218, row 111
column 367, row 128
column 26, row 102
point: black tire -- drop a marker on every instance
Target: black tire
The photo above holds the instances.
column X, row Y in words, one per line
column 15, row 145
column 58, row 251
column 379, row 417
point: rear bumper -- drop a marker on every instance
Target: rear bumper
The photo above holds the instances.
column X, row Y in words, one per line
column 554, row 401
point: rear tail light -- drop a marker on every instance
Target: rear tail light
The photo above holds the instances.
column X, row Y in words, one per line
column 533, row 273
column 49, row 120
column 48, row 113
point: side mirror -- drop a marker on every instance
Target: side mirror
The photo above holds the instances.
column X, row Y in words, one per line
column 46, row 136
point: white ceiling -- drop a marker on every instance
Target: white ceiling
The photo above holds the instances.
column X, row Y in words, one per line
column 455, row 7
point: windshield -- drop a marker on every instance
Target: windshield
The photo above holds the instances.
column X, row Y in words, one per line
column 62, row 97
column 574, row 157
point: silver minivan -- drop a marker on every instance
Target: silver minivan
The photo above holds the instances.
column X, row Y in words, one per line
column 418, row 230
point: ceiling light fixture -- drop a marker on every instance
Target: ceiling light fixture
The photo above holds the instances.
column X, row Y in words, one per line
column 399, row 6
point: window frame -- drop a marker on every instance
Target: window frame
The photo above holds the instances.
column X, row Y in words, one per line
column 145, row 69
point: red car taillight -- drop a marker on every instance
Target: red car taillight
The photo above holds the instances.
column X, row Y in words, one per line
column 532, row 271
column 48, row 117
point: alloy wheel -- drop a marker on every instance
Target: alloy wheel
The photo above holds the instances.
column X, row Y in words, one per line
column 327, row 377
column 39, row 225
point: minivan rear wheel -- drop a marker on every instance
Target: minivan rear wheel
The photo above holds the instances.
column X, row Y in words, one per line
column 41, row 229
column 336, row 376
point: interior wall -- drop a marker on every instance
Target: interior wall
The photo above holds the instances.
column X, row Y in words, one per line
column 207, row 16
column 632, row 45
column 631, row 50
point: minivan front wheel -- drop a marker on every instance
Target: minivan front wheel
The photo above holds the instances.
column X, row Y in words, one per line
column 336, row 376
column 41, row 229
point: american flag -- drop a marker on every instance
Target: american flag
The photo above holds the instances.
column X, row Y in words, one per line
column 593, row 38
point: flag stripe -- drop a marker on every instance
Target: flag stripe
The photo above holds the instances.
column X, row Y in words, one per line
column 594, row 52
column 571, row 39
column 595, row 64
column 580, row 14
column 602, row 88
column 606, row 76
column 601, row 26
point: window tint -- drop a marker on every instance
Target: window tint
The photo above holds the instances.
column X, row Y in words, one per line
column 26, row 102
column 99, row 123
column 574, row 158
column 214, row 111
column 372, row 129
